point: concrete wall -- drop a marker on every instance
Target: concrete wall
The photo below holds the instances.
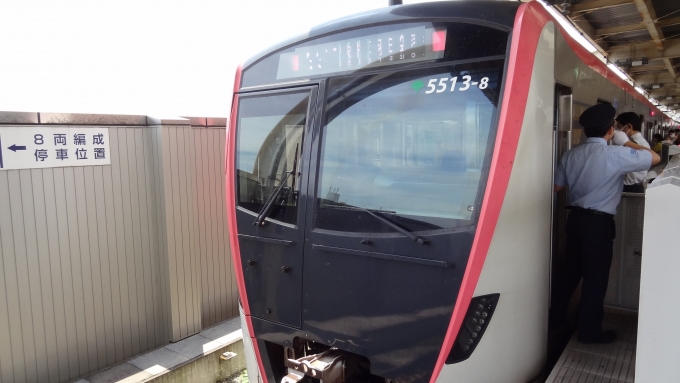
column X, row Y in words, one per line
column 101, row 263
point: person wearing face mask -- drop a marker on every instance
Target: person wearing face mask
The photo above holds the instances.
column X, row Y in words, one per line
column 629, row 124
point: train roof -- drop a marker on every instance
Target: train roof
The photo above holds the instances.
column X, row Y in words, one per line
column 500, row 13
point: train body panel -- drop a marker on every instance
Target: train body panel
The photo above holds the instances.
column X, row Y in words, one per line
column 373, row 210
column 592, row 85
column 517, row 262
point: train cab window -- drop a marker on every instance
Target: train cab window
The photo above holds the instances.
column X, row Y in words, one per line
column 411, row 147
column 269, row 144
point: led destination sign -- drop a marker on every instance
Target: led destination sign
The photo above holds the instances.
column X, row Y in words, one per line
column 388, row 48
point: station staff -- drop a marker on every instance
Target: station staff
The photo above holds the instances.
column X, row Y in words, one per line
column 593, row 173
column 630, row 124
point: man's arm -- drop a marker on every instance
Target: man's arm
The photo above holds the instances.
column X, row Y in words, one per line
column 558, row 188
column 655, row 157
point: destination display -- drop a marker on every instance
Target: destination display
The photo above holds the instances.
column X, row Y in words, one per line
column 387, row 48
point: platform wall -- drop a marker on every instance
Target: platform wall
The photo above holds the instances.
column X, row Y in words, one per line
column 101, row 263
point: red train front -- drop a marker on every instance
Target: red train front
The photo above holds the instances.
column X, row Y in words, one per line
column 389, row 183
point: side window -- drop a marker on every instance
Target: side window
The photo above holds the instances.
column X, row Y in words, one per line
column 409, row 146
column 269, row 143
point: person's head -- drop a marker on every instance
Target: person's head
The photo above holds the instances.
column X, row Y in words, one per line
column 657, row 138
column 598, row 121
column 628, row 123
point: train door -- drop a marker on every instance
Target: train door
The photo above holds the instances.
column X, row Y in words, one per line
column 270, row 172
column 562, row 142
column 563, row 136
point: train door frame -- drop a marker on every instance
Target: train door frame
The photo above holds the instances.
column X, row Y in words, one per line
column 558, row 336
column 276, row 244
column 562, row 141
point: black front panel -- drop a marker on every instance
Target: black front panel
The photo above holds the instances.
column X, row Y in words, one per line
column 395, row 159
column 408, row 149
column 269, row 164
column 393, row 310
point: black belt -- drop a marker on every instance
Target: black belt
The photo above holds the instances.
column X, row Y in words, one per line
column 589, row 211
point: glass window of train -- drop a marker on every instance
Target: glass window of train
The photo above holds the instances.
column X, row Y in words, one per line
column 411, row 145
column 269, row 135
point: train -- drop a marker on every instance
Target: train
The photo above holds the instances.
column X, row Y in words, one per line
column 390, row 200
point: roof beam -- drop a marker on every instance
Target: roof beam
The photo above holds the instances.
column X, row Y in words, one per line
column 670, row 67
column 647, row 50
column 635, row 27
column 655, row 79
column 583, row 26
column 668, row 22
column 586, row 29
column 626, row 48
column 648, row 15
column 595, row 5
column 620, row 29
column 663, row 92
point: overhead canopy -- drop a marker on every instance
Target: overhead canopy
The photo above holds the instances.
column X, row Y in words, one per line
column 641, row 37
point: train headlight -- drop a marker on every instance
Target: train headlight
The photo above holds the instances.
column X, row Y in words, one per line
column 476, row 320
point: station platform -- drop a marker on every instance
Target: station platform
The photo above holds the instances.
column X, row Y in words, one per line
column 209, row 356
column 601, row 363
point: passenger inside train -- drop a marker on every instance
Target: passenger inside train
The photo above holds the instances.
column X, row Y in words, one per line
column 630, row 123
column 657, row 140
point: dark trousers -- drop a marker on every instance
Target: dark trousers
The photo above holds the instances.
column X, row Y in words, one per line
column 634, row 188
column 589, row 252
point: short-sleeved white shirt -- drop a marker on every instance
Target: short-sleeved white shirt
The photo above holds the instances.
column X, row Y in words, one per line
column 633, row 178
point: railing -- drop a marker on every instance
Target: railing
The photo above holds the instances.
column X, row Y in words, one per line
column 623, row 290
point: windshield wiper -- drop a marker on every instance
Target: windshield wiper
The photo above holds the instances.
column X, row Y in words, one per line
column 378, row 215
column 269, row 204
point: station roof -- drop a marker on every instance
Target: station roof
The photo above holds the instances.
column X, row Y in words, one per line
column 640, row 37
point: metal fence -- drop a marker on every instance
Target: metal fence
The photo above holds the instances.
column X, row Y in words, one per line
column 624, row 277
column 101, row 263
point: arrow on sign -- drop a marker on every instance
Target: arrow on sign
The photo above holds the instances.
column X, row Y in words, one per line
column 14, row 148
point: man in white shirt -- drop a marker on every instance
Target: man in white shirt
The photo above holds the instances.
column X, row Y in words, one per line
column 630, row 124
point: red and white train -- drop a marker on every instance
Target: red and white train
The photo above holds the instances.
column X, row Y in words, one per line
column 390, row 191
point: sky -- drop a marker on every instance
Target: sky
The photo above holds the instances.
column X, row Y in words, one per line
column 149, row 57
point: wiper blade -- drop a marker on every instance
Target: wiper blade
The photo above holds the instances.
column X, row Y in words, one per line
column 377, row 214
column 259, row 221
column 269, row 204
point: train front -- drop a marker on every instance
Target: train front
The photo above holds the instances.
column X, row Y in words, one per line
column 358, row 158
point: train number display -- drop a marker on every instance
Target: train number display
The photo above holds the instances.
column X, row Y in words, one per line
column 440, row 85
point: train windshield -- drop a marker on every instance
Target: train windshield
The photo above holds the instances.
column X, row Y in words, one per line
column 409, row 146
column 269, row 145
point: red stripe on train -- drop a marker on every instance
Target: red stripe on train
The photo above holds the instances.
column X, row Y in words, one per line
column 529, row 23
column 230, row 157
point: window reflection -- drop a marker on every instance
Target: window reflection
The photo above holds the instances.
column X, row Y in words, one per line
column 416, row 158
column 270, row 130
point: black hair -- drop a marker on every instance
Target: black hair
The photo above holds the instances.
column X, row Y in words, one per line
column 631, row 118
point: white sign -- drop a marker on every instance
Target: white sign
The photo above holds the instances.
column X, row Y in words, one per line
column 29, row 147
